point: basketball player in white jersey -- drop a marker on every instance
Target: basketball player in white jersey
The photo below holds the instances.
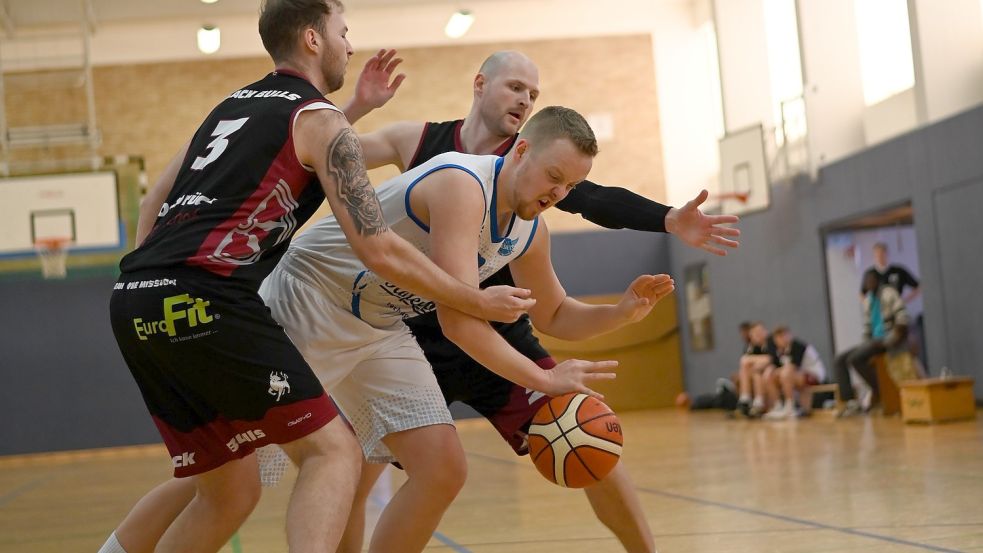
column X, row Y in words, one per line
column 471, row 215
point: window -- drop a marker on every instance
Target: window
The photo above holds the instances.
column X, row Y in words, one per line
column 885, row 48
column 785, row 68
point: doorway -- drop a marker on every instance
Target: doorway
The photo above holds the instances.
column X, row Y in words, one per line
column 849, row 247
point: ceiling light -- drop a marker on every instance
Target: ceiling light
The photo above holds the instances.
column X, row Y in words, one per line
column 209, row 39
column 208, row 1
column 459, row 23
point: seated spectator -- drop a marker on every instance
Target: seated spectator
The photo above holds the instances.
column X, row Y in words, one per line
column 885, row 327
column 798, row 367
column 757, row 358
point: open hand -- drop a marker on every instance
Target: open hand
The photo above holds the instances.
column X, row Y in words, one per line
column 643, row 293
column 506, row 304
column 374, row 88
column 573, row 375
column 699, row 230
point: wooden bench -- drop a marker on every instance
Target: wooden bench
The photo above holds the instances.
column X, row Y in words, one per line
column 823, row 388
column 887, row 387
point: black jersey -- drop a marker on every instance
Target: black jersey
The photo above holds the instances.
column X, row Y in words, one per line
column 895, row 276
column 609, row 207
column 793, row 353
column 241, row 192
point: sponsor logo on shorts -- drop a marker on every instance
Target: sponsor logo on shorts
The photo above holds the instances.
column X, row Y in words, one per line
column 183, row 307
column 534, row 395
column 185, row 459
column 278, row 385
column 245, row 437
column 299, row 420
column 156, row 283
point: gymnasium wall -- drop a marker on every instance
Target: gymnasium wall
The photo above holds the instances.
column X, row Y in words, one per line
column 778, row 273
column 68, row 387
column 150, row 110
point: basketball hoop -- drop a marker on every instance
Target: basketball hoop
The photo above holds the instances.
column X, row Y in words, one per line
column 739, row 196
column 53, row 253
column 717, row 203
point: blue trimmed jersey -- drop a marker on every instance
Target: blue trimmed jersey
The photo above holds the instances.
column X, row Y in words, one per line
column 321, row 255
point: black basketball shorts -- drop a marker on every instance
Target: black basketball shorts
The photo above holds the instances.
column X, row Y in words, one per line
column 217, row 373
column 509, row 407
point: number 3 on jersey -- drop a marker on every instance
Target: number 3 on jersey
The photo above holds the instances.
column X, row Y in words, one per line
column 217, row 146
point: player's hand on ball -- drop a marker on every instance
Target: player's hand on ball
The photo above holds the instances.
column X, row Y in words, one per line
column 506, row 304
column 644, row 292
column 573, row 375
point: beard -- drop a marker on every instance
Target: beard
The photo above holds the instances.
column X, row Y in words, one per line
column 335, row 82
column 334, row 73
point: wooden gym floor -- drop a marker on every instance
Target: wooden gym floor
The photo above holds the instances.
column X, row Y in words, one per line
column 707, row 484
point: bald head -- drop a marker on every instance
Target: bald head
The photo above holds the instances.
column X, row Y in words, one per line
column 505, row 90
column 505, row 60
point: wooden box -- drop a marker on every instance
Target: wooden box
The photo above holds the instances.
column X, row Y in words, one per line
column 937, row 399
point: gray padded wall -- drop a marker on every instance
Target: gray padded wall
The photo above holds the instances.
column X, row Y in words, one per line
column 67, row 386
column 778, row 274
column 75, row 392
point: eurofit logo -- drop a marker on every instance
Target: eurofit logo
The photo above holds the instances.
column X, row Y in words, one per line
column 176, row 308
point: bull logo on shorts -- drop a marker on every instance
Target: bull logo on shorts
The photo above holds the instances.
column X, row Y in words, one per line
column 278, row 385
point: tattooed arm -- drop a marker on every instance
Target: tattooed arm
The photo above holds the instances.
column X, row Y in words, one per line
column 324, row 140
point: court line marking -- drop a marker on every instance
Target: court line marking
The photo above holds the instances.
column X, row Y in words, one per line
column 23, row 488
column 748, row 510
column 804, row 522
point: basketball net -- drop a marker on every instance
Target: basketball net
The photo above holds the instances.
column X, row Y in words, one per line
column 739, row 196
column 53, row 254
column 716, row 201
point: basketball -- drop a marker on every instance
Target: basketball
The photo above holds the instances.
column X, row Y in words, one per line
column 575, row 440
column 682, row 400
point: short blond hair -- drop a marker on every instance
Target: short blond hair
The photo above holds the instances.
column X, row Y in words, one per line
column 554, row 122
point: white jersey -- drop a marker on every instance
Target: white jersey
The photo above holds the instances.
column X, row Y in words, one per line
column 322, row 256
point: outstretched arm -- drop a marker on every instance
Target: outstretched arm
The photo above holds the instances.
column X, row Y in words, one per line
column 394, row 144
column 617, row 208
column 561, row 316
column 324, row 139
column 373, row 88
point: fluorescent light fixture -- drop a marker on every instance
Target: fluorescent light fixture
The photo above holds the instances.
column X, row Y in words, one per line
column 208, row 1
column 459, row 23
column 209, row 39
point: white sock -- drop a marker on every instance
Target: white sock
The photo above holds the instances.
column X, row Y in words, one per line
column 112, row 545
column 745, row 398
column 758, row 402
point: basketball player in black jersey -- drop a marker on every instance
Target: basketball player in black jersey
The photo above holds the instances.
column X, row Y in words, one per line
column 505, row 91
column 218, row 375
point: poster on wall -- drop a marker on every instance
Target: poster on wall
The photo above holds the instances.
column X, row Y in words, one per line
column 699, row 313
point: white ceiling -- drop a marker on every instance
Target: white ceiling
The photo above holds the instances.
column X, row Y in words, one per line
column 30, row 13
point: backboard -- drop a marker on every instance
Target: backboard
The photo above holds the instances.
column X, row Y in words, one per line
column 743, row 170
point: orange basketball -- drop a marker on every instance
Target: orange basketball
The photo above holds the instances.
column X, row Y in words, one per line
column 575, row 440
column 682, row 400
